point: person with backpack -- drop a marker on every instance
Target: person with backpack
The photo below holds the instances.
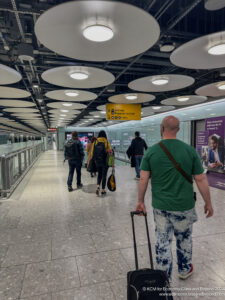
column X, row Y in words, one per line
column 100, row 152
column 75, row 154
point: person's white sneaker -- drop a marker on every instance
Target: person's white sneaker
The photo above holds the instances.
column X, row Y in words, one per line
column 188, row 273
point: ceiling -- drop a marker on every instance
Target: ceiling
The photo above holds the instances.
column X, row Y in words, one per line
column 180, row 21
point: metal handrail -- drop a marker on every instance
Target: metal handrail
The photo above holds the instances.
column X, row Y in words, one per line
column 14, row 167
column 17, row 152
column 125, row 159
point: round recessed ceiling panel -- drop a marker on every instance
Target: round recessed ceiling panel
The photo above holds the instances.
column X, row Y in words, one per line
column 161, row 83
column 97, row 114
column 97, row 30
column 214, row 4
column 78, row 77
column 146, row 113
column 66, row 111
column 157, row 109
column 66, row 105
column 30, row 115
column 206, row 52
column 184, row 100
column 23, row 110
column 131, row 98
column 215, row 89
column 102, row 107
column 9, row 92
column 15, row 103
column 6, row 120
column 71, row 95
column 9, row 75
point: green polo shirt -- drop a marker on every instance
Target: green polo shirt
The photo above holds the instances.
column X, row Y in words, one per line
column 170, row 190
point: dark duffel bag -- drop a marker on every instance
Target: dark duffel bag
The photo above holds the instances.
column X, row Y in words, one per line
column 92, row 166
column 146, row 284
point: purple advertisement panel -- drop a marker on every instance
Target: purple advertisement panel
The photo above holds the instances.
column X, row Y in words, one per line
column 202, row 147
column 215, row 128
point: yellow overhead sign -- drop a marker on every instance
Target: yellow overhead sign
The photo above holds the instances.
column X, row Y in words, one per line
column 123, row 112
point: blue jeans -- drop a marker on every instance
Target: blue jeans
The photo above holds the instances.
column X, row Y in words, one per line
column 180, row 224
column 74, row 164
column 137, row 164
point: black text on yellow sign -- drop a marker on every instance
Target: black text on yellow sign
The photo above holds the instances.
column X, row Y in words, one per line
column 123, row 112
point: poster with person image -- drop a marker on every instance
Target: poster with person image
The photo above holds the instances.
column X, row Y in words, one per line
column 202, row 147
column 215, row 128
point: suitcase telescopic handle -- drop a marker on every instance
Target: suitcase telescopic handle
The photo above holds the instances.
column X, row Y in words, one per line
column 133, row 213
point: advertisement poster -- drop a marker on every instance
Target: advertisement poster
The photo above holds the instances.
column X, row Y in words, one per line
column 215, row 128
column 202, row 147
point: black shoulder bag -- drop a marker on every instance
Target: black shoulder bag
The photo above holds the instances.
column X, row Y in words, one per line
column 177, row 166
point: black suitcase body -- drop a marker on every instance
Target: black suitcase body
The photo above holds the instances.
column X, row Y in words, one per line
column 147, row 284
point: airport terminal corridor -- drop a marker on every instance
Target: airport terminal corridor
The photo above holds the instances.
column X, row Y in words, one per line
column 59, row 245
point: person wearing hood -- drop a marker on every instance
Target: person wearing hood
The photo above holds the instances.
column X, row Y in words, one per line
column 99, row 152
column 138, row 145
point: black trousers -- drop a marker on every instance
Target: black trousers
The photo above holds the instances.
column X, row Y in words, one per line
column 74, row 164
column 102, row 174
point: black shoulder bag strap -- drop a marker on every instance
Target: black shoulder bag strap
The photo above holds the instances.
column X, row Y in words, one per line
column 177, row 166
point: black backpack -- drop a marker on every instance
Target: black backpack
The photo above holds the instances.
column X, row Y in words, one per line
column 72, row 150
column 100, row 153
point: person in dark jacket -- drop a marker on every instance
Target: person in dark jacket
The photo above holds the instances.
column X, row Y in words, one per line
column 75, row 154
column 137, row 146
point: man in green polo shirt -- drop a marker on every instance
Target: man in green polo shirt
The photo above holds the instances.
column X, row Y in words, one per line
column 173, row 197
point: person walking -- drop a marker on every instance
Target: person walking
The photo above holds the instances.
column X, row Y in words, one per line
column 75, row 154
column 173, row 196
column 89, row 152
column 99, row 153
column 137, row 149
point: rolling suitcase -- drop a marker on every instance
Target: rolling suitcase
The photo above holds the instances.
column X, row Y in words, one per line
column 146, row 284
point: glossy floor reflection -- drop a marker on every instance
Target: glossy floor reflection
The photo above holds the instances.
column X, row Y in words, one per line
column 59, row 245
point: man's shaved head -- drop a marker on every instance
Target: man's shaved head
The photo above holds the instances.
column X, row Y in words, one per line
column 170, row 124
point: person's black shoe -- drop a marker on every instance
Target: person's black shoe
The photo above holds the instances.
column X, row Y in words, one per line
column 70, row 189
column 79, row 186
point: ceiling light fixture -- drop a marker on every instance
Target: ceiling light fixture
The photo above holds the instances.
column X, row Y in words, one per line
column 131, row 97
column 98, row 33
column 91, row 119
column 217, row 50
column 71, row 93
column 63, row 110
column 183, row 99
column 160, row 81
column 221, row 86
column 62, row 115
column 167, row 47
column 79, row 75
column 103, row 112
column 67, row 104
column 156, row 107
column 96, row 116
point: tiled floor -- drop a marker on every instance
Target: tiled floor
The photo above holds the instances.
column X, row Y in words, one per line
column 62, row 246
